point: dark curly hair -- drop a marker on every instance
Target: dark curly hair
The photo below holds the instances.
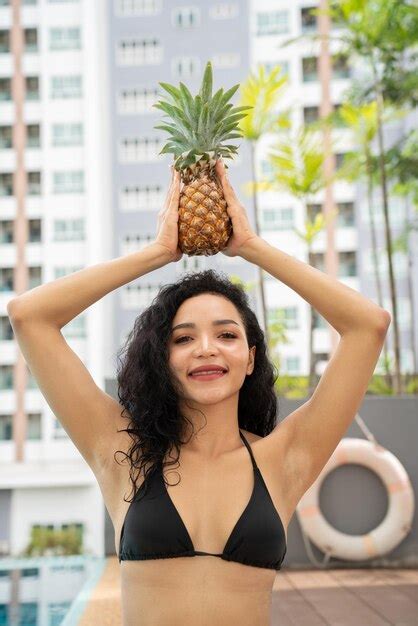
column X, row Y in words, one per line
column 156, row 424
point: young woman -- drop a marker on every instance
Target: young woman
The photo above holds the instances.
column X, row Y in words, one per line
column 238, row 474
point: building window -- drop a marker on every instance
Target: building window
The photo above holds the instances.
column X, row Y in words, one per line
column 340, row 66
column 6, row 231
column 35, row 231
column 310, row 114
column 35, row 276
column 317, row 260
column 34, row 426
column 6, row 427
column 76, row 328
column 33, row 184
column 68, row 182
column 347, row 264
column 66, row 270
column 339, row 121
column 134, row 242
column 318, row 321
column 185, row 67
column 4, row 41
column 30, row 378
column 292, row 364
column 139, row 149
column 288, row 316
column 6, row 330
column 124, row 8
column 6, row 184
column 226, row 60
column 6, row 279
column 30, row 36
column 137, row 100
column 186, row 17
column 6, row 137
column 32, row 88
column 283, row 65
column 278, row 219
column 6, row 377
column 272, row 23
column 67, row 134
column 5, row 89
column 310, row 69
column 66, row 86
column 69, row 230
column 58, row 430
column 339, row 159
column 135, row 295
column 345, row 214
column 309, row 21
column 141, row 198
column 33, row 136
column 224, row 10
column 65, row 38
column 145, row 51
column 399, row 260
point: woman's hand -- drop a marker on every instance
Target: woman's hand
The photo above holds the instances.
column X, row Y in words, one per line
column 242, row 232
column 168, row 217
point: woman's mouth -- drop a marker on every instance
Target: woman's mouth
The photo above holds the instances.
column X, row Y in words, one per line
column 203, row 376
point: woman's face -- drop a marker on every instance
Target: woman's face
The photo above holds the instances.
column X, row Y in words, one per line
column 207, row 343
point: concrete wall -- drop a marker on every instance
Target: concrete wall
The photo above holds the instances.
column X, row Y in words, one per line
column 353, row 499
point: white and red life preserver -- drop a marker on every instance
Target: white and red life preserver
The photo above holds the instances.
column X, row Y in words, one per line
column 397, row 521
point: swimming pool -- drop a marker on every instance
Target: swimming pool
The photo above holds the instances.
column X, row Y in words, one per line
column 46, row 591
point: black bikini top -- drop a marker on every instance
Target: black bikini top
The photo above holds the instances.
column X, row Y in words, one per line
column 153, row 528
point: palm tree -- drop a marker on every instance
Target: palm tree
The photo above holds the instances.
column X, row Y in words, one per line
column 262, row 92
column 297, row 161
column 362, row 122
column 378, row 32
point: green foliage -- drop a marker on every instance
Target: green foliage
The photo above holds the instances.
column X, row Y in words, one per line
column 200, row 125
column 53, row 542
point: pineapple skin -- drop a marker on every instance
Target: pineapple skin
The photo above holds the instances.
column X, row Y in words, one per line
column 204, row 223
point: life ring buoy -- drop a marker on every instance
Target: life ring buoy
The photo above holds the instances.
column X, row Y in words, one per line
column 397, row 521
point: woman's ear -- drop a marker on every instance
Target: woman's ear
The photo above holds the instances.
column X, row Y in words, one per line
column 251, row 361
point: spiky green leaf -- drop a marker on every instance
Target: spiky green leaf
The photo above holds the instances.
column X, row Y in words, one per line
column 173, row 91
column 206, row 88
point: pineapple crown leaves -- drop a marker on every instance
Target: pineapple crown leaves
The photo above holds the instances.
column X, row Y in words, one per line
column 201, row 124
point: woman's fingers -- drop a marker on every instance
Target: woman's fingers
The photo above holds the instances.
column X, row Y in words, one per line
column 229, row 192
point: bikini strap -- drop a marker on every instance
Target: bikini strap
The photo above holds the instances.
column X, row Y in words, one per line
column 249, row 450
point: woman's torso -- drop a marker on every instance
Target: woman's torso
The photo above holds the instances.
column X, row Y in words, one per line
column 210, row 498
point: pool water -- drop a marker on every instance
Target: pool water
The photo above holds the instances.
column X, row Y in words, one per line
column 46, row 591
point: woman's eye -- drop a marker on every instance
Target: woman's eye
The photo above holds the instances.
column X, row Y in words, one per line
column 230, row 336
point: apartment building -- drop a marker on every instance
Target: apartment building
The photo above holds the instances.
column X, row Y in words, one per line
column 153, row 41
column 54, row 220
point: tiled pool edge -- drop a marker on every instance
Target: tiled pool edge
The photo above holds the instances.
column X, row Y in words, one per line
column 76, row 610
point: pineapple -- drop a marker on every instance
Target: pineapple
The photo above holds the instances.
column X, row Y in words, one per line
column 198, row 129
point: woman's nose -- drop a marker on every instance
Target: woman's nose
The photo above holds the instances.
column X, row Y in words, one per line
column 205, row 346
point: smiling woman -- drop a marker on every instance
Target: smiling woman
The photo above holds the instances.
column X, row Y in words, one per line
column 241, row 473
column 202, row 321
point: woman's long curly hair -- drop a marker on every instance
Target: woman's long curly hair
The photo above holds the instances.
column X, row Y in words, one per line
column 149, row 394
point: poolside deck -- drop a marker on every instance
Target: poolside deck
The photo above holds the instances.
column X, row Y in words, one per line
column 349, row 597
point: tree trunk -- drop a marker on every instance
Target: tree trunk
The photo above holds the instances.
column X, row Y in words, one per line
column 411, row 292
column 374, row 251
column 312, row 374
column 388, row 237
column 257, row 230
